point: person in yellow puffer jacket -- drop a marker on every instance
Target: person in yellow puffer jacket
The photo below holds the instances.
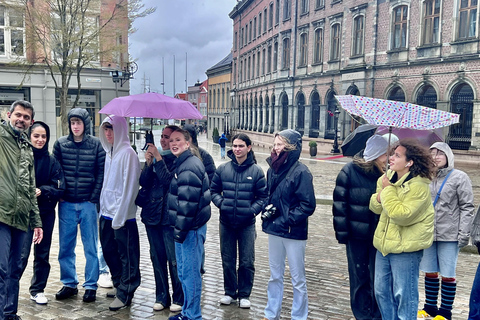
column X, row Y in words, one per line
column 405, row 228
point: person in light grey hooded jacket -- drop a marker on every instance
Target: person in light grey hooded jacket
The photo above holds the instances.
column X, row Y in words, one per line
column 452, row 195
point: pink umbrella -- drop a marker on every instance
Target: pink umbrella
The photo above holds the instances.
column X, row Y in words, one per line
column 151, row 105
column 397, row 114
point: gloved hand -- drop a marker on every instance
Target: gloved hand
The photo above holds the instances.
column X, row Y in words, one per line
column 462, row 240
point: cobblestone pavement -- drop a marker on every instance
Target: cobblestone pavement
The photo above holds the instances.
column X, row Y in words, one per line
column 326, row 267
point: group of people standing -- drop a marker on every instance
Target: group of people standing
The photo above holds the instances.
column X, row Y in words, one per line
column 96, row 185
column 414, row 216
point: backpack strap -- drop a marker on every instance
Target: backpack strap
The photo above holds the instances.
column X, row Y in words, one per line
column 441, row 187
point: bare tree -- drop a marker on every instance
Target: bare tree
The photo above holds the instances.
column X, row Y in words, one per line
column 68, row 36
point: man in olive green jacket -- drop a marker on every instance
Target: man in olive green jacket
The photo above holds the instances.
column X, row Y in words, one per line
column 18, row 204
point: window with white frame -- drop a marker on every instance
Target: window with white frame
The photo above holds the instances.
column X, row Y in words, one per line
column 467, row 25
column 286, row 9
column 318, row 48
column 399, row 36
column 12, row 32
column 263, row 61
column 431, row 22
column 269, row 59
column 286, row 54
column 335, row 42
column 275, row 56
column 265, row 20
column 303, row 49
column 319, row 4
column 358, row 32
column 304, row 6
column 253, row 66
column 277, row 11
column 259, row 23
column 270, row 16
column 254, row 27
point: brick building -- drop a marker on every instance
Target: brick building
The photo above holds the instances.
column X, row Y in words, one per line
column 290, row 57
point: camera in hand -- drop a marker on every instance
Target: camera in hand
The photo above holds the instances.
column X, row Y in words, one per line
column 269, row 212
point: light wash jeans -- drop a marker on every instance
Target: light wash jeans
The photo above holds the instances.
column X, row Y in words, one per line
column 441, row 257
column 189, row 260
column 102, row 264
column 294, row 250
column 69, row 216
column 396, row 284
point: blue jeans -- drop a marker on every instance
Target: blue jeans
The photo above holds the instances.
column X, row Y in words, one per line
column 69, row 216
column 474, row 313
column 396, row 284
column 244, row 237
column 189, row 260
column 162, row 253
column 11, row 268
column 222, row 152
column 102, row 264
column 294, row 250
column 441, row 257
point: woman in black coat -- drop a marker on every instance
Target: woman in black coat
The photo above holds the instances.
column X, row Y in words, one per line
column 50, row 185
column 189, row 210
column 239, row 190
column 355, row 224
column 290, row 188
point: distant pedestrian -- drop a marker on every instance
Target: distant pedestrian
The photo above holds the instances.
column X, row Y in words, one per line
column 355, row 224
column 82, row 159
column 50, row 185
column 239, row 190
column 222, row 141
column 118, row 226
column 18, row 205
column 474, row 304
column 404, row 230
column 290, row 202
column 155, row 181
column 189, row 210
column 452, row 195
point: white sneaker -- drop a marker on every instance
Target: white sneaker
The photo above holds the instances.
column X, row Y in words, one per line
column 226, row 300
column 158, row 306
column 39, row 298
column 105, row 280
column 175, row 308
column 244, row 303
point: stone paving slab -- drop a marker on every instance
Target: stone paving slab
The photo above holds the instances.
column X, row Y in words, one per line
column 326, row 271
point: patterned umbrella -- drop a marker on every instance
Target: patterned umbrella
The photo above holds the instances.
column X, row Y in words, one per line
column 396, row 114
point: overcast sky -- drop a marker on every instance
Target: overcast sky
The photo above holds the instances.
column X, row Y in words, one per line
column 201, row 29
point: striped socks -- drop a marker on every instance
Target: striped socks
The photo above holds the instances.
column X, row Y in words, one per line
column 432, row 285
column 449, row 288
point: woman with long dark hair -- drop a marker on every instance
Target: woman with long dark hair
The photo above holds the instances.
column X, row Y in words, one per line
column 355, row 224
column 50, row 185
column 404, row 230
column 239, row 190
column 189, row 210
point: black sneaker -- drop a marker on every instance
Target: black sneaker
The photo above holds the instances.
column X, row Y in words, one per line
column 90, row 295
column 65, row 293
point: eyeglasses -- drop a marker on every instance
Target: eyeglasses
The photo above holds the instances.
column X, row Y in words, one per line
column 437, row 153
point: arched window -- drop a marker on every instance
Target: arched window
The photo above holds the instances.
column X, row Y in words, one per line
column 461, row 102
column 397, row 94
column 303, row 49
column 286, row 54
column 300, row 113
column 284, row 111
column 315, row 117
column 318, row 48
column 427, row 97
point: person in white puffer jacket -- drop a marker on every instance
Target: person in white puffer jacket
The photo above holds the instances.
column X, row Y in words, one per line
column 118, row 227
column 454, row 213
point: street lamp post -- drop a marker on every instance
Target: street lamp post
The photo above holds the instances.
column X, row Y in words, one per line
column 335, row 138
column 226, row 114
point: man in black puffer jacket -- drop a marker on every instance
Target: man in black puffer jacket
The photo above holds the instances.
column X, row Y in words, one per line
column 82, row 159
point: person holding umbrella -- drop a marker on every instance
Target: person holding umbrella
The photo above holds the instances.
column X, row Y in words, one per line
column 355, row 224
column 452, row 195
column 404, row 230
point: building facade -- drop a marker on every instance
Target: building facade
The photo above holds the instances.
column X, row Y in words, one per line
column 198, row 96
column 219, row 102
column 291, row 57
column 35, row 84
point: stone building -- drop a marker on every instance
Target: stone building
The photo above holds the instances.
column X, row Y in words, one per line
column 291, row 57
column 32, row 80
column 219, row 81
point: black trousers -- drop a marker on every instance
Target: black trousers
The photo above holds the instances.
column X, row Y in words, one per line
column 361, row 270
column 121, row 250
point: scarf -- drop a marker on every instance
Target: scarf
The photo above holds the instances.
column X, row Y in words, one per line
column 278, row 160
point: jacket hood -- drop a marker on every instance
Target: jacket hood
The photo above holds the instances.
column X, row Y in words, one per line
column 193, row 133
column 442, row 146
column 295, row 138
column 47, row 130
column 84, row 116
column 120, row 134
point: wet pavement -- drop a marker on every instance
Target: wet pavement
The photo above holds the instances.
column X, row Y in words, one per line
column 326, row 267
